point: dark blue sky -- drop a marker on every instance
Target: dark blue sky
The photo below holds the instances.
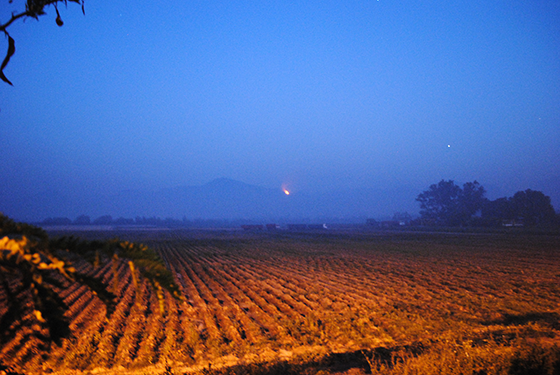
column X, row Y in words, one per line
column 319, row 95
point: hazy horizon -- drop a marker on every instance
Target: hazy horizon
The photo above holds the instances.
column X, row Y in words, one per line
column 320, row 96
column 228, row 200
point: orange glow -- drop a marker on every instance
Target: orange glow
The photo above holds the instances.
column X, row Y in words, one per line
column 285, row 188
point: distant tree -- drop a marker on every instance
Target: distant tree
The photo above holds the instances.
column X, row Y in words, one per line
column 33, row 9
column 493, row 212
column 530, row 207
column 533, row 206
column 439, row 203
column 446, row 203
column 471, row 201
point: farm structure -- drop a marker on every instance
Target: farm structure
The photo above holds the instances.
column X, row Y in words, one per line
column 292, row 227
column 261, row 297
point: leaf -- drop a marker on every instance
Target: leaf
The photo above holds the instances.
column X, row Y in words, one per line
column 11, row 51
column 49, row 310
column 39, row 316
column 99, row 289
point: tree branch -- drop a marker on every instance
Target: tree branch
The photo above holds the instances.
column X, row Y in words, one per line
column 14, row 18
column 34, row 9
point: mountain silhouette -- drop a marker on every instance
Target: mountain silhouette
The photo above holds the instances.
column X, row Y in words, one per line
column 222, row 198
column 228, row 199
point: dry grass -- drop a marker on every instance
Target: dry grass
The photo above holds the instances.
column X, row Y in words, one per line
column 325, row 303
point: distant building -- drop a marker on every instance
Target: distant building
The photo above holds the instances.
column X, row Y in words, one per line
column 512, row 223
column 272, row 226
column 253, row 227
column 391, row 224
column 317, row 226
column 297, row 226
column 385, row 224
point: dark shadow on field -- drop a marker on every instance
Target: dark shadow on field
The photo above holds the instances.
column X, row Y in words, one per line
column 8, row 371
column 357, row 362
column 550, row 319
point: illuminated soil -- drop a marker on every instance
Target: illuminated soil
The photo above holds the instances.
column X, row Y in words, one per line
column 303, row 298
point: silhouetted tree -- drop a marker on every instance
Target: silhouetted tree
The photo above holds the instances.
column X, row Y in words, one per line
column 533, row 206
column 33, row 9
column 529, row 207
column 493, row 212
column 446, row 203
column 439, row 203
column 471, row 201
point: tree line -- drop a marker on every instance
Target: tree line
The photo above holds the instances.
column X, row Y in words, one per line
column 109, row 220
column 448, row 204
column 142, row 221
column 442, row 204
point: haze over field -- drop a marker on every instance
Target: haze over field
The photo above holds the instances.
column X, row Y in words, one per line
column 225, row 199
column 354, row 106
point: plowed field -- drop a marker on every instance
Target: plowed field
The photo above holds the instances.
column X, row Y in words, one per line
column 261, row 298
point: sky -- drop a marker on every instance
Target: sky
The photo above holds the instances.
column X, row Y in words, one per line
column 319, row 96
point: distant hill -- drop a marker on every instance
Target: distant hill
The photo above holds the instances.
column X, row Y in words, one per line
column 230, row 199
column 223, row 198
column 219, row 199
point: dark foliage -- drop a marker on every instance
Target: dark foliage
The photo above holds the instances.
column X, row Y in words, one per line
column 34, row 269
column 448, row 204
column 527, row 208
